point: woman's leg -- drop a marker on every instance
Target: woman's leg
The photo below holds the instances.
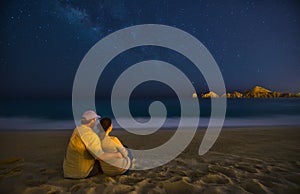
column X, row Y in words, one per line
column 130, row 156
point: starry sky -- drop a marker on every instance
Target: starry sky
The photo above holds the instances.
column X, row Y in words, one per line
column 43, row 42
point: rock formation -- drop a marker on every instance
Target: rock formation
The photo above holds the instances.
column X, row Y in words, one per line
column 256, row 92
column 235, row 94
column 194, row 95
column 210, row 95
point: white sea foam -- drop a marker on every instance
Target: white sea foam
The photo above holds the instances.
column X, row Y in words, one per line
column 27, row 123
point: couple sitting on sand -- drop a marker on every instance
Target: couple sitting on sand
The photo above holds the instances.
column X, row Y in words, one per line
column 88, row 154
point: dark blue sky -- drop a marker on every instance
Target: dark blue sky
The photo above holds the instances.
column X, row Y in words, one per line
column 43, row 42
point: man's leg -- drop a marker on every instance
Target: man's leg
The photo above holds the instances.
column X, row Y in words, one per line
column 96, row 169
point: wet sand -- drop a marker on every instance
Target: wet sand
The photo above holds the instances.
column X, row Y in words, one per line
column 243, row 160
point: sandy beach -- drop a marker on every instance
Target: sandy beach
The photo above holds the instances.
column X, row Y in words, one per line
column 243, row 160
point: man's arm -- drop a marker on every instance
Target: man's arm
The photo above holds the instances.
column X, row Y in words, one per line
column 93, row 145
column 109, row 156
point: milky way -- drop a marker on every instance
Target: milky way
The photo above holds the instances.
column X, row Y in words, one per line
column 253, row 42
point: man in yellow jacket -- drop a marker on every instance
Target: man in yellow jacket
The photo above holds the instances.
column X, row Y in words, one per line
column 84, row 150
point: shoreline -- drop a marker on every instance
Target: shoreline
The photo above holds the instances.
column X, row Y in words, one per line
column 163, row 128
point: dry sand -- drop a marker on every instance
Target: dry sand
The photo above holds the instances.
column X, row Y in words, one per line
column 249, row 160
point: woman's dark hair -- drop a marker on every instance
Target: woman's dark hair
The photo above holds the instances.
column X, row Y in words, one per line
column 105, row 123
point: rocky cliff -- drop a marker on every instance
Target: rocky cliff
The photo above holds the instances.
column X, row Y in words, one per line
column 260, row 92
column 255, row 92
column 210, row 95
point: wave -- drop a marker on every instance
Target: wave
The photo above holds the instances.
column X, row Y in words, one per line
column 27, row 123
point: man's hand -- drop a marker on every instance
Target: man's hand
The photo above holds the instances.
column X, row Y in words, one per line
column 109, row 156
column 119, row 155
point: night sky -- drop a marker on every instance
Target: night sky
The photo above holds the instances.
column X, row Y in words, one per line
column 43, row 42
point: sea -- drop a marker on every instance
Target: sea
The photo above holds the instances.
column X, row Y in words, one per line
column 57, row 114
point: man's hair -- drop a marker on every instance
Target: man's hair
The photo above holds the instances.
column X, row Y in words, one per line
column 84, row 121
column 105, row 123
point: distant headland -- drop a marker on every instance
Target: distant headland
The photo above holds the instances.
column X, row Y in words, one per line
column 255, row 92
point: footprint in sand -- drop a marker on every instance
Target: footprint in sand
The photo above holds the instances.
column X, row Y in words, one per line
column 246, row 167
column 180, row 187
column 129, row 180
column 114, row 189
column 227, row 171
column 255, row 186
column 215, row 178
column 11, row 167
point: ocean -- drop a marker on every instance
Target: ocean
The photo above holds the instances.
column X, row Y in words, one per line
column 57, row 114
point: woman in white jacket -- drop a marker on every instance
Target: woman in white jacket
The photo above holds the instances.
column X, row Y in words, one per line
column 111, row 144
